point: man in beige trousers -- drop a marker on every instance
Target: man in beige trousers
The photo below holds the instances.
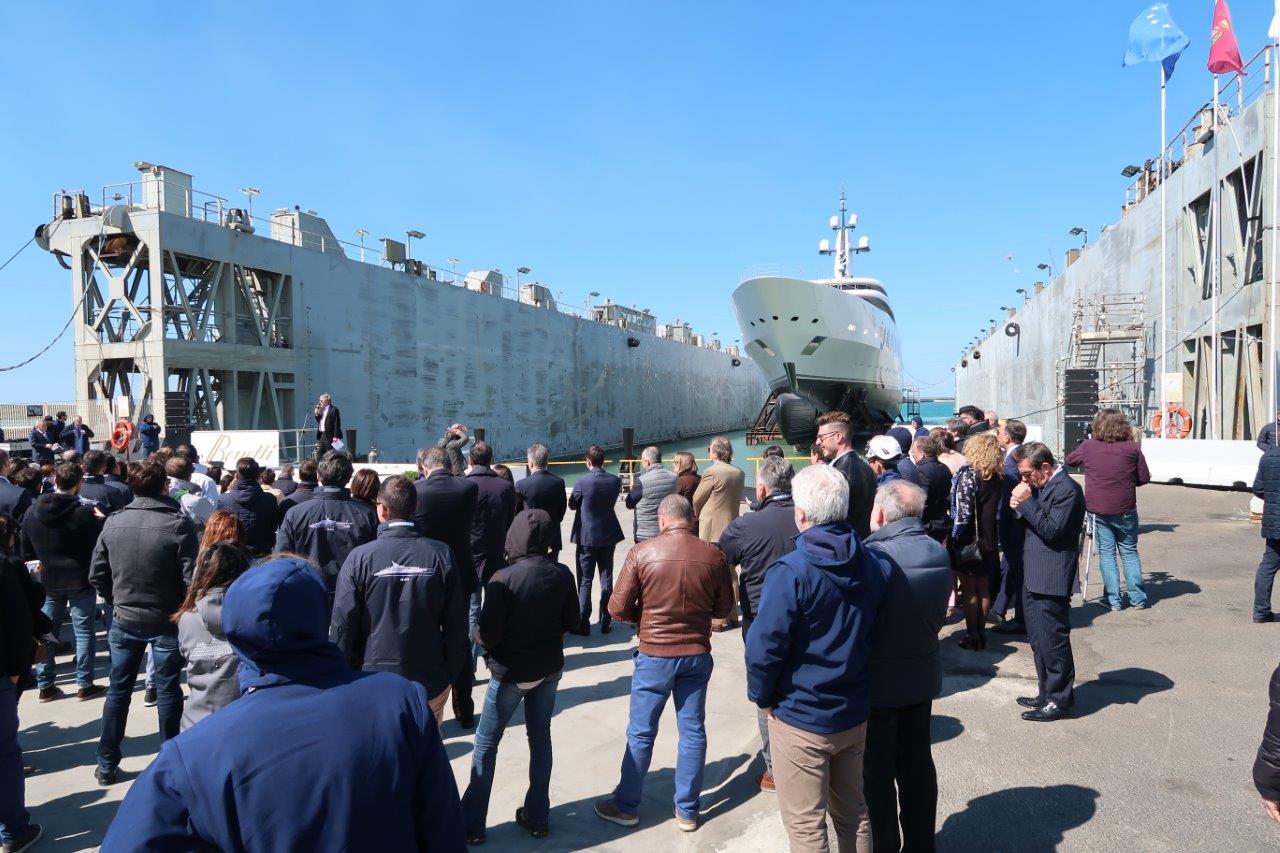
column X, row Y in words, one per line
column 808, row 666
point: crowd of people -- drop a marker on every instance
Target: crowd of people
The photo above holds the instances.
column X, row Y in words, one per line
column 345, row 603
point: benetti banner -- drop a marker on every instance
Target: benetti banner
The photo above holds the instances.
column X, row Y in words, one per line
column 226, row 446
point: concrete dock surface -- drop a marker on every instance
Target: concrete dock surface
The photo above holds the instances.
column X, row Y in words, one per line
column 1171, row 703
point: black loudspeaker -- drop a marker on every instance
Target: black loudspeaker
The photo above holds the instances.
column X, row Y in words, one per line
column 1079, row 411
column 1080, row 374
column 177, row 419
column 1074, row 432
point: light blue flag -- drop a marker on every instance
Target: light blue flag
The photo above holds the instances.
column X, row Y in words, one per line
column 1154, row 37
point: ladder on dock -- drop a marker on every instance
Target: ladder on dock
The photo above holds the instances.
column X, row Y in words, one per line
column 1107, row 355
column 764, row 429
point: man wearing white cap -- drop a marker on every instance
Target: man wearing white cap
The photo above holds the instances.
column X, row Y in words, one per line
column 883, row 455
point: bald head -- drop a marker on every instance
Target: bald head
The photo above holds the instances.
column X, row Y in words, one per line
column 674, row 510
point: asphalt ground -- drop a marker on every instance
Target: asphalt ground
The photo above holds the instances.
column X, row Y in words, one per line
column 1171, row 703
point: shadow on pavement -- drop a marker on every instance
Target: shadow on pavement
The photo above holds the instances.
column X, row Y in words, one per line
column 1162, row 585
column 1017, row 819
column 1157, row 527
column 966, row 669
column 77, row 821
column 575, row 826
column 943, row 728
column 1126, row 686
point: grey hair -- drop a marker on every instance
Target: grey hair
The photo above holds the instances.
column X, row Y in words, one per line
column 900, row 499
column 823, row 493
column 286, row 470
column 652, row 455
column 431, row 458
column 676, row 508
column 537, row 456
column 721, row 450
column 776, row 474
column 955, row 425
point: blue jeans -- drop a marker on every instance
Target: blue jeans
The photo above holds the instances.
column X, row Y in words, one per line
column 83, row 604
column 126, row 660
column 1265, row 579
column 652, row 682
column 500, row 704
column 1119, row 531
column 13, row 811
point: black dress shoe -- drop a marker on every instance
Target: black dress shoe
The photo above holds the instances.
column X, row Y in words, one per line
column 1030, row 701
column 1047, row 713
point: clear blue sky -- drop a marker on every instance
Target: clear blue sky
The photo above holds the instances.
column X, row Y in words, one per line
column 651, row 152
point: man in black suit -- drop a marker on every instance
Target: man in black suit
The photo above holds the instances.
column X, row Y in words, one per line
column 444, row 507
column 43, row 441
column 834, row 445
column 495, row 510
column 596, row 532
column 328, row 425
column 545, row 491
column 14, row 500
column 1011, row 531
column 1051, row 505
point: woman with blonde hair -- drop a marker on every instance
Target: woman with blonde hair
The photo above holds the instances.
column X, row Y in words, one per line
column 975, row 552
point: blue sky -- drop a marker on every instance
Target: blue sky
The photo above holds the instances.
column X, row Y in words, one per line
column 651, row 152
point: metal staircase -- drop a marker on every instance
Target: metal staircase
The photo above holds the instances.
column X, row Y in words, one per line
column 764, row 429
column 1108, row 335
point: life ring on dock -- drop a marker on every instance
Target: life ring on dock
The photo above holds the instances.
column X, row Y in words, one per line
column 122, row 434
column 1180, row 422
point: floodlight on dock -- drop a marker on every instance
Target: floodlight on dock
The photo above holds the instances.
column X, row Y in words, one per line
column 1077, row 231
column 249, row 193
column 361, row 233
column 410, row 236
column 1130, row 170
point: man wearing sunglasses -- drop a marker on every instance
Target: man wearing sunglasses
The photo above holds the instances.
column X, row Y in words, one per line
column 1051, row 505
column 834, row 446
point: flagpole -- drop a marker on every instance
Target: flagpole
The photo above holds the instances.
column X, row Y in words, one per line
column 1215, row 273
column 1164, row 324
column 1275, row 224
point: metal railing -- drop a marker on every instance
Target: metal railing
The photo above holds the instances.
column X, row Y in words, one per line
column 1238, row 93
column 215, row 209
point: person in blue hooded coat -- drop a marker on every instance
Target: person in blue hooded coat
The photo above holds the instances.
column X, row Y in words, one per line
column 313, row 756
column 809, row 664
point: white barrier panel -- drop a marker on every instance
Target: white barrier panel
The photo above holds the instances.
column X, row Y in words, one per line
column 1202, row 462
column 226, row 446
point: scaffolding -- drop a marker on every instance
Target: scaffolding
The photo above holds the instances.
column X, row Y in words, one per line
column 1108, row 335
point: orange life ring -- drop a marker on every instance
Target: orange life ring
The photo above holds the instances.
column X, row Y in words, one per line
column 1180, row 422
column 122, row 434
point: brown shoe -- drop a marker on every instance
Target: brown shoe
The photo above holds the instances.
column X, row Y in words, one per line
column 48, row 694
column 765, row 781
column 93, row 691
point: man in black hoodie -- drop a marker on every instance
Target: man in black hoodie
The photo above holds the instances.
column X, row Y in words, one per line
column 141, row 566
column 257, row 510
column 61, row 531
column 332, row 524
column 528, row 607
column 399, row 601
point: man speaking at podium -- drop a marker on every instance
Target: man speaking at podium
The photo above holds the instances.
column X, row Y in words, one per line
column 328, row 426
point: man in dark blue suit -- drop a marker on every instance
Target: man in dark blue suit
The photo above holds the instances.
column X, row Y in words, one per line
column 1011, row 531
column 545, row 491
column 14, row 500
column 1051, row 505
column 443, row 511
column 595, row 531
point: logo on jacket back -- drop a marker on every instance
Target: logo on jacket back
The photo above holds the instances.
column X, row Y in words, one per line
column 331, row 524
column 406, row 573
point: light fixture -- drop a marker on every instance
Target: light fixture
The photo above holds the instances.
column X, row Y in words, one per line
column 360, row 232
column 453, row 265
column 1022, row 290
column 1130, row 171
column 1078, row 231
column 249, row 193
column 1043, row 266
column 410, row 236
column 1004, row 307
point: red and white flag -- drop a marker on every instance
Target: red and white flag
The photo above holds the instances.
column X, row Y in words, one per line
column 1224, row 52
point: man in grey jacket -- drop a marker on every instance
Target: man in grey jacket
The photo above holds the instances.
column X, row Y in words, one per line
column 906, row 672
column 141, row 566
column 648, row 491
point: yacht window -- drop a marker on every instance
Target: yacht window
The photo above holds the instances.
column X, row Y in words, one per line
column 812, row 347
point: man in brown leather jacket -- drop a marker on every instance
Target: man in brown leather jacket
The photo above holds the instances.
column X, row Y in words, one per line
column 671, row 587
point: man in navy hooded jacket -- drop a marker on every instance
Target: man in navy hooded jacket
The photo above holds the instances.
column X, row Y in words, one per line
column 808, row 664
column 312, row 757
